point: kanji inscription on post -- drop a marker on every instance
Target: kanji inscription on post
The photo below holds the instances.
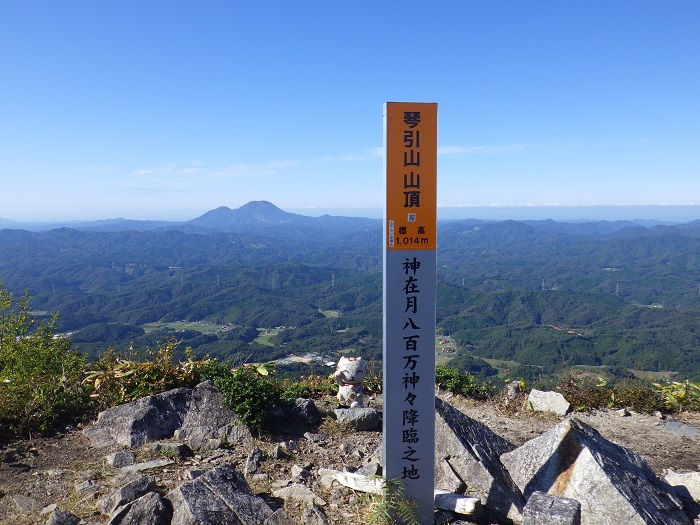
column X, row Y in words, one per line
column 410, row 241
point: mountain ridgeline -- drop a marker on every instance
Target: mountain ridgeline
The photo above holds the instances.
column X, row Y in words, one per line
column 540, row 293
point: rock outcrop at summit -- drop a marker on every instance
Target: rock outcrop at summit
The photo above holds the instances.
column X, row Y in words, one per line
column 613, row 484
column 206, row 469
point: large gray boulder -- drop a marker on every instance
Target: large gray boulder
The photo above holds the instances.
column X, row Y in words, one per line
column 613, row 484
column 134, row 424
column 208, row 422
column 467, row 462
column 219, row 496
column 196, row 416
column 305, row 411
column 149, row 509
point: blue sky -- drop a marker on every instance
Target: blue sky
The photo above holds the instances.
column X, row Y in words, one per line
column 169, row 109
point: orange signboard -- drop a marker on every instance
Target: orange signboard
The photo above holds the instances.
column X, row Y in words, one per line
column 411, row 175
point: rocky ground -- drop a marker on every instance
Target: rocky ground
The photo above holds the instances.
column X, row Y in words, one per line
column 64, row 470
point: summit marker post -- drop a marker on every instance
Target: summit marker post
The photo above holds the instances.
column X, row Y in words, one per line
column 410, row 243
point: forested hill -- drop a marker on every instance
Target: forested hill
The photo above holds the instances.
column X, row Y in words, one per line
column 537, row 292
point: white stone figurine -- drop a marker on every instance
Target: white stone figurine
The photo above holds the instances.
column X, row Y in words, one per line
column 349, row 374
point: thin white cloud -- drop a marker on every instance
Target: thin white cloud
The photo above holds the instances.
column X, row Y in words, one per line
column 190, row 171
column 505, row 149
column 360, row 156
column 198, row 171
column 253, row 170
column 154, row 191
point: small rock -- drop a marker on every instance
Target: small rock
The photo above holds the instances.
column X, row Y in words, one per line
column 56, row 472
column 146, row 465
column 25, row 504
column 623, row 412
column 457, row 503
column 61, row 517
column 315, row 438
column 299, row 473
column 87, row 487
column 371, row 469
column 259, row 478
column 173, row 449
column 686, row 484
column 288, row 446
column 298, row 493
column 314, row 516
column 552, row 402
column 121, row 459
column 193, row 473
column 255, row 459
column 358, row 418
column 126, row 494
column 512, row 390
column 278, row 452
column 326, row 477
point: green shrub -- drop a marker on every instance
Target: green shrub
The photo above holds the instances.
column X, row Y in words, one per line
column 637, row 394
column 249, row 394
column 585, row 392
column 679, row 396
column 40, row 377
column 295, row 390
column 461, row 383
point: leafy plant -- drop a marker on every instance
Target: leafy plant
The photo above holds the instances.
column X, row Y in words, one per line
column 637, row 394
column 311, row 386
column 679, row 396
column 461, row 383
column 390, row 506
column 585, row 392
column 39, row 374
column 119, row 379
column 295, row 390
column 249, row 394
column 373, row 379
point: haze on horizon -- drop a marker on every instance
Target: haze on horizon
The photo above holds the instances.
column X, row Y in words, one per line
column 567, row 111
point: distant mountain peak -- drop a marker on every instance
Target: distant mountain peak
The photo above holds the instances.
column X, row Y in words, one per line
column 259, row 206
column 254, row 212
column 264, row 211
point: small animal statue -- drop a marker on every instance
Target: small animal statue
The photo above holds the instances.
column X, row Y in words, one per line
column 349, row 374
